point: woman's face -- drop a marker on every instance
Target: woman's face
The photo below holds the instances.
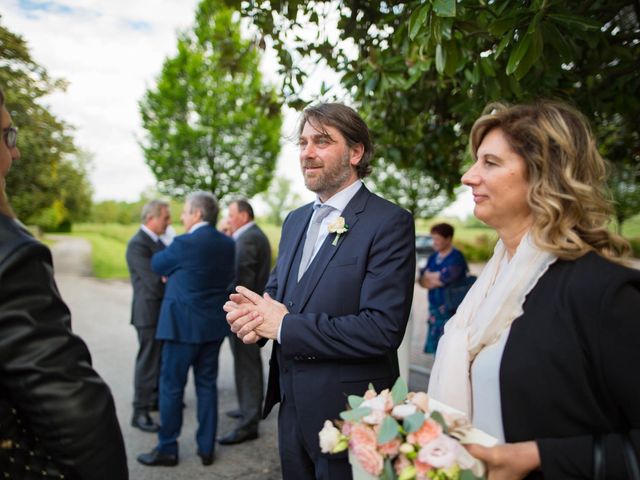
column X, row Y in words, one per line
column 498, row 180
column 7, row 155
column 440, row 243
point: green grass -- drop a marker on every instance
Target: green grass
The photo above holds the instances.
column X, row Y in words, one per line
column 109, row 241
column 631, row 228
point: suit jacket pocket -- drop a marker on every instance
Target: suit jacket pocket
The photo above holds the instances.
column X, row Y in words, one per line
column 343, row 262
column 365, row 372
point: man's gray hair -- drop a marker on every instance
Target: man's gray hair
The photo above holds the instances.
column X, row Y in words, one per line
column 207, row 204
column 153, row 209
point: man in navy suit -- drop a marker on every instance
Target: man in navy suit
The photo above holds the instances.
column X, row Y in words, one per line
column 199, row 266
column 338, row 300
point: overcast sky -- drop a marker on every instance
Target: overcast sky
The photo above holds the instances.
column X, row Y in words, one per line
column 110, row 52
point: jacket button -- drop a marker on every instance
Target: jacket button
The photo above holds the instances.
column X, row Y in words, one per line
column 290, row 303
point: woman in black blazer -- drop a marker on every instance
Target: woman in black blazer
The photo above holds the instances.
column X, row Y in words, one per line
column 544, row 352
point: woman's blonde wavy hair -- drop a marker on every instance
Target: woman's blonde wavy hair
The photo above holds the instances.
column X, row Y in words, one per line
column 567, row 194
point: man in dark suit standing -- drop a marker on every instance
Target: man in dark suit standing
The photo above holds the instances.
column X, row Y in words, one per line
column 338, row 301
column 148, row 290
column 253, row 262
column 199, row 266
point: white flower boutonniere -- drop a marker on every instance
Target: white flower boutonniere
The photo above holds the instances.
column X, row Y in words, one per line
column 338, row 227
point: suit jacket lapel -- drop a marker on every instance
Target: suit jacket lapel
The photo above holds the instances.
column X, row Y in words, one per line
column 328, row 250
column 296, row 234
column 149, row 241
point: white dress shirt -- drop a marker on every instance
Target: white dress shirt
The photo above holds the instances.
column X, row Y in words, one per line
column 152, row 235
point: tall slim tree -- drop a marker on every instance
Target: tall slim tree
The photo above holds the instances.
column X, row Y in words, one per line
column 47, row 177
column 211, row 121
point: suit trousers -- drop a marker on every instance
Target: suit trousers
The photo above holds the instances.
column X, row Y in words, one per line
column 296, row 457
column 249, row 383
column 177, row 357
column 147, row 370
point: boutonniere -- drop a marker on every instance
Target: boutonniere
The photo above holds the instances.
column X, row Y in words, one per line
column 338, row 227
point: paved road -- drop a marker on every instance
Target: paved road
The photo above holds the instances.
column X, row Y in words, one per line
column 100, row 315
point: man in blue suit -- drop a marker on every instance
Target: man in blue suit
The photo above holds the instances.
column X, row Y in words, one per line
column 338, row 301
column 199, row 266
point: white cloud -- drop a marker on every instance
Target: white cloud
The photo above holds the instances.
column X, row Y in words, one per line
column 110, row 52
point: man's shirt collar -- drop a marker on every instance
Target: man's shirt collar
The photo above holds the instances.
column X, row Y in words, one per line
column 236, row 235
column 148, row 231
column 340, row 200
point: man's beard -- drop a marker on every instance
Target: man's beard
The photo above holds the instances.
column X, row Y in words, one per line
column 331, row 180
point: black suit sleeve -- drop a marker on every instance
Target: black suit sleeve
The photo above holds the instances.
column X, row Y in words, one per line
column 139, row 261
column 247, row 262
column 46, row 371
column 617, row 356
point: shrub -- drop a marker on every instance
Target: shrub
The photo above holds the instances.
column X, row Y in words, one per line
column 478, row 250
column 635, row 246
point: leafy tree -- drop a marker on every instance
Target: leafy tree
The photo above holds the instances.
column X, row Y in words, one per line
column 422, row 71
column 47, row 182
column 211, row 122
column 409, row 188
column 280, row 199
column 625, row 187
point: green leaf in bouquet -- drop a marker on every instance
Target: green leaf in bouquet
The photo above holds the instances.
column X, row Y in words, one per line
column 399, row 391
column 408, row 473
column 355, row 401
column 388, row 473
column 388, row 429
column 413, row 422
column 355, row 414
column 437, row 416
column 341, row 446
column 371, row 387
column 469, row 475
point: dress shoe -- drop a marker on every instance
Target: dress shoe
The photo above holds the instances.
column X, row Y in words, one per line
column 143, row 421
column 234, row 413
column 156, row 458
column 206, row 459
column 237, row 436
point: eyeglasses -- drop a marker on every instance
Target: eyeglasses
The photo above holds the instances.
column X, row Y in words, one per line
column 10, row 136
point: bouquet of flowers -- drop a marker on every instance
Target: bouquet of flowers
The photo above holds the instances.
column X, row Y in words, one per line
column 401, row 435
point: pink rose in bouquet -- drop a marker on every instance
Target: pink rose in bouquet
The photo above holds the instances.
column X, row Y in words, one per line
column 397, row 435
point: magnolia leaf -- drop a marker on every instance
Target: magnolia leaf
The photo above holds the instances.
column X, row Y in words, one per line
column 558, row 40
column 413, row 422
column 355, row 401
column 440, row 58
column 399, row 391
column 533, row 54
column 517, row 54
column 355, row 414
column 582, row 23
column 444, row 8
column 500, row 26
column 437, row 417
column 503, row 43
column 417, row 20
column 388, row 430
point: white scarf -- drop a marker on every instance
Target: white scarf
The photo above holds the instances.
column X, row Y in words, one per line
column 487, row 311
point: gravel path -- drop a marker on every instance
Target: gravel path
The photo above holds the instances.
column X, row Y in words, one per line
column 100, row 315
